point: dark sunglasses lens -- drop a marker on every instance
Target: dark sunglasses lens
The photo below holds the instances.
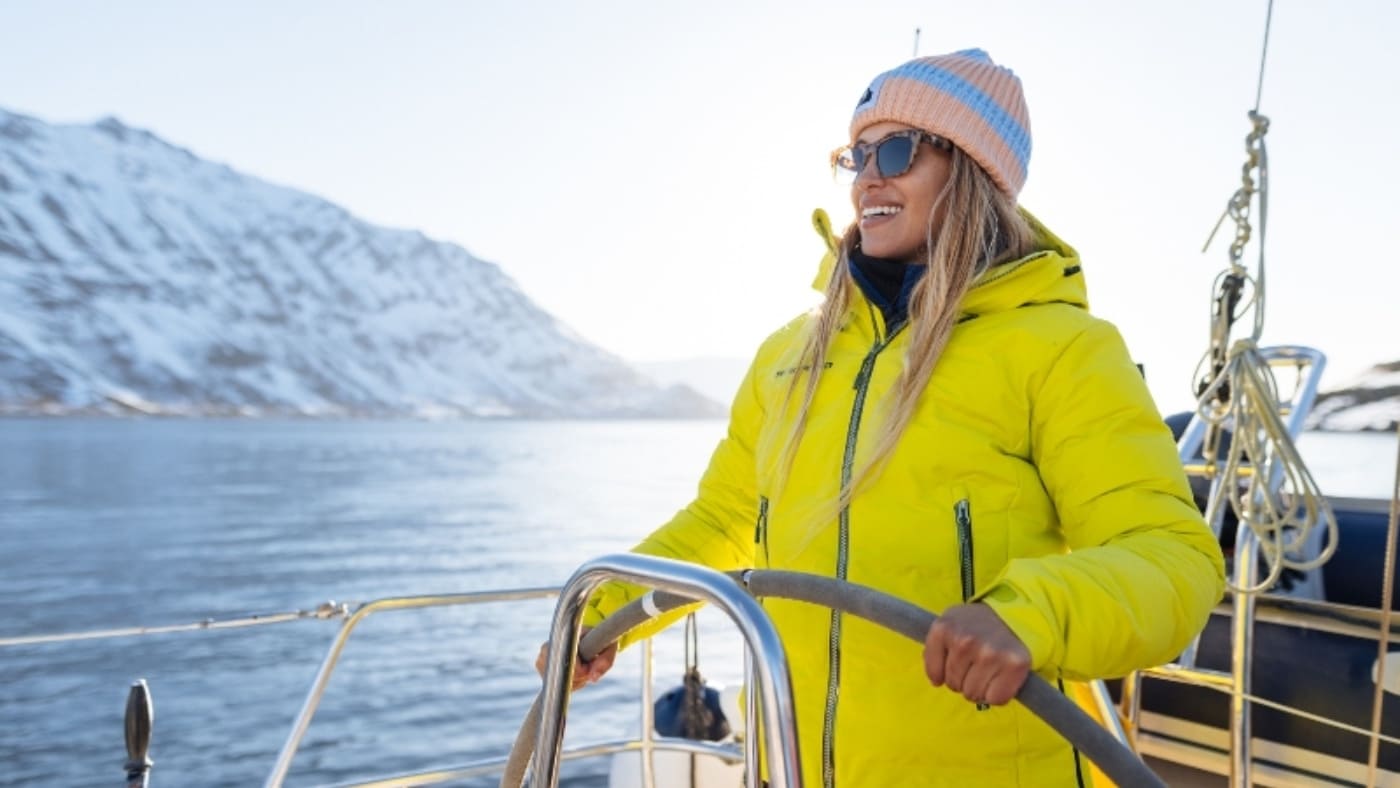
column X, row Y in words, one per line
column 857, row 158
column 894, row 156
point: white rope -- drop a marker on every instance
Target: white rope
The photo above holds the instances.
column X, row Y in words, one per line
column 1279, row 499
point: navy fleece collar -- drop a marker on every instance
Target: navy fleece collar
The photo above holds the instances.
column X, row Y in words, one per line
column 888, row 284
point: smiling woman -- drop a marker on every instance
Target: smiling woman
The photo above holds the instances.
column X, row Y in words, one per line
column 899, row 179
column 1000, row 461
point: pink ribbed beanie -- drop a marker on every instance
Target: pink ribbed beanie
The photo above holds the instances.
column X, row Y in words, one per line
column 963, row 97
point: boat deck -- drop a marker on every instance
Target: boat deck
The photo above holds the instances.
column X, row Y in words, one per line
column 1179, row 776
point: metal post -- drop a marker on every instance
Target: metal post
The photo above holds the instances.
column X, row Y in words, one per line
column 1242, row 654
column 687, row 580
column 140, row 716
column 1103, row 702
column 328, row 663
column 1315, row 362
column 648, row 758
column 1132, row 706
column 751, row 775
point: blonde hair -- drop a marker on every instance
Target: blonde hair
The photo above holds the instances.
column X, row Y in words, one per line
column 981, row 228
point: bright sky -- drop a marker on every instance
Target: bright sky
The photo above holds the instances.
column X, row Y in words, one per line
column 646, row 170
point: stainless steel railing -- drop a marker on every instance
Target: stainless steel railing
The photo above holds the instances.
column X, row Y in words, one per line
column 646, row 744
column 352, row 614
column 332, row 658
column 702, row 584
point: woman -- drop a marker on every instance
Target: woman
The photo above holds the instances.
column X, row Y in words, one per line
column 952, row 427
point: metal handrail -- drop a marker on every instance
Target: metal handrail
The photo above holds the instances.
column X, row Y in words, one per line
column 646, row 743
column 352, row 614
column 323, row 675
column 726, row 752
column 696, row 582
column 1297, row 408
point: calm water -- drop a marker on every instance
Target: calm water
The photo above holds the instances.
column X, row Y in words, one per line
column 119, row 523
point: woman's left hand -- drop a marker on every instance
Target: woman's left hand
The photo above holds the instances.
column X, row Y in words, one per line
column 973, row 652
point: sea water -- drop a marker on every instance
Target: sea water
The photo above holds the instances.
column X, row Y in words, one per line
column 118, row 523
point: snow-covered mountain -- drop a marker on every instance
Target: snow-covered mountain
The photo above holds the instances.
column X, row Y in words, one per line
column 137, row 277
column 1371, row 402
column 716, row 377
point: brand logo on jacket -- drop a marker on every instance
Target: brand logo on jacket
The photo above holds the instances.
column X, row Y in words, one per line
column 795, row 370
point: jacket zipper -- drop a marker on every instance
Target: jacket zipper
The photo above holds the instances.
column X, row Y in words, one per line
column 833, row 681
column 962, row 513
column 760, row 530
column 1078, row 767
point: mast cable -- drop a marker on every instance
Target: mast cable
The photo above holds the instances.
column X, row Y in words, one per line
column 1280, row 500
column 1263, row 54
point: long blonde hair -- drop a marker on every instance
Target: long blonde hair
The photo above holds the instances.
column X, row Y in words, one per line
column 981, row 228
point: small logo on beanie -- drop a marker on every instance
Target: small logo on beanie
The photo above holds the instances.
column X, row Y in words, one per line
column 871, row 93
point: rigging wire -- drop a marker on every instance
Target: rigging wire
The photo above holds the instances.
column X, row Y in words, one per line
column 325, row 611
column 1263, row 55
column 1279, row 500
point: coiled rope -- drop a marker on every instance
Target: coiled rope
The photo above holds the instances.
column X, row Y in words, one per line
column 1277, row 498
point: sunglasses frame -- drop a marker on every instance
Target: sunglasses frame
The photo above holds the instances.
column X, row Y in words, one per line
column 870, row 151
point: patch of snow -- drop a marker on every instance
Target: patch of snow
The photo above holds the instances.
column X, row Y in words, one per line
column 140, row 278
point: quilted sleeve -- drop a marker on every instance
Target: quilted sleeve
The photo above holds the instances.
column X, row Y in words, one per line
column 1143, row 570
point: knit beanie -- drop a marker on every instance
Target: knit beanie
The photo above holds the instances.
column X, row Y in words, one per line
column 963, row 97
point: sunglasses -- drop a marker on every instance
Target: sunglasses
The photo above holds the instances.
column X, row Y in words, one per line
column 893, row 154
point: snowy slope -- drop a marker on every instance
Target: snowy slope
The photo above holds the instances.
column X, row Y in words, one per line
column 1371, row 402
column 135, row 276
column 716, row 377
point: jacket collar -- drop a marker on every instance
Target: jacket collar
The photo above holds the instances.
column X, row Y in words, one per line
column 1052, row 274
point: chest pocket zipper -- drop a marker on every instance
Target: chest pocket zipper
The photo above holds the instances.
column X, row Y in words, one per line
column 962, row 514
column 760, row 530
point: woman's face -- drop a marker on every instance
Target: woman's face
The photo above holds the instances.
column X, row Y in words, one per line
column 894, row 212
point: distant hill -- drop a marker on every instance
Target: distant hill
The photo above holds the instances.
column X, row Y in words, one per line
column 715, row 377
column 139, row 278
column 1369, row 403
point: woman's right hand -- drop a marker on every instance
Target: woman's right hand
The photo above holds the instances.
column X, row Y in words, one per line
column 584, row 672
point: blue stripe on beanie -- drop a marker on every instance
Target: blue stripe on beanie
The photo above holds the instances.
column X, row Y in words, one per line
column 1017, row 139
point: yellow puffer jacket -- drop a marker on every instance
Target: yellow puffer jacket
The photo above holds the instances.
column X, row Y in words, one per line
column 1036, row 476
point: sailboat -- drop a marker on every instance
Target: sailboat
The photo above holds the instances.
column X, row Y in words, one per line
column 1287, row 685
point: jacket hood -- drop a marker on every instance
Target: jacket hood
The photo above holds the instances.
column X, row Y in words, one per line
column 1052, row 274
